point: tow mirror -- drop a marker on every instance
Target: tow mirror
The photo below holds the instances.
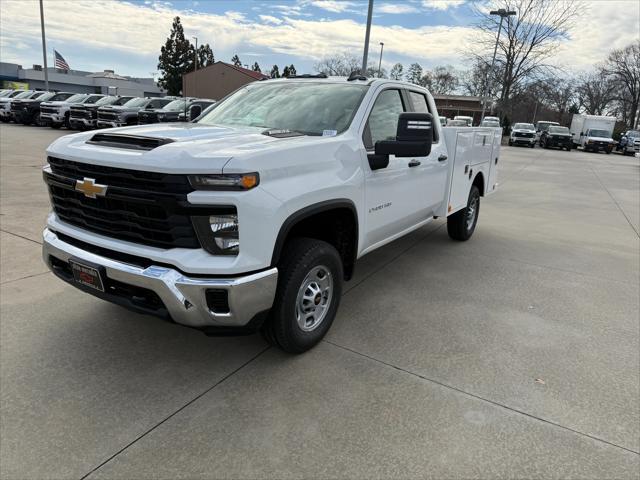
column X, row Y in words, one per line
column 194, row 112
column 414, row 137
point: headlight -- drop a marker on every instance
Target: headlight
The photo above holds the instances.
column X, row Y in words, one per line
column 219, row 233
column 239, row 181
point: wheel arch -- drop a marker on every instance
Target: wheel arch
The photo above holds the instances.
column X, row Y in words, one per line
column 342, row 234
column 479, row 182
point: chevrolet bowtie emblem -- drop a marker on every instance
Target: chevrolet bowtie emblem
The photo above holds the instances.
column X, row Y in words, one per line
column 90, row 188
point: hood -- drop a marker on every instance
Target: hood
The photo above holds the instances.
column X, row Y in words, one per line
column 118, row 108
column 194, row 148
column 522, row 130
column 57, row 103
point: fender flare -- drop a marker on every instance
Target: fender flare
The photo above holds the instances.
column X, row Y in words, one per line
column 308, row 211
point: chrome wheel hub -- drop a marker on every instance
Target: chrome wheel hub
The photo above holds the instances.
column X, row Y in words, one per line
column 314, row 298
column 472, row 210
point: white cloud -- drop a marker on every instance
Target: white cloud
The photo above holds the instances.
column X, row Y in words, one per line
column 135, row 33
column 271, row 19
column 394, row 8
column 442, row 4
column 335, row 6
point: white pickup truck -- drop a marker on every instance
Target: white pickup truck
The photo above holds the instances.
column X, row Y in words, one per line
column 252, row 217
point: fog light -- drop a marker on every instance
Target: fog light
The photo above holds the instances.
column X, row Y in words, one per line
column 225, row 233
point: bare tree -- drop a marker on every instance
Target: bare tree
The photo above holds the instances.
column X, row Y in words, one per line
column 595, row 92
column 559, row 95
column 340, row 65
column 624, row 68
column 528, row 39
column 472, row 80
column 396, row 72
column 442, row 80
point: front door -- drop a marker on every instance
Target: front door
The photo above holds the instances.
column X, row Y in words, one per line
column 393, row 196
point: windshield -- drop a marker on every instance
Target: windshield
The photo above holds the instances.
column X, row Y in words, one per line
column 544, row 126
column 524, row 126
column 106, row 101
column 122, row 100
column 174, row 106
column 47, row 96
column 24, row 95
column 553, row 129
column 93, row 99
column 309, row 108
column 633, row 134
column 78, row 97
column 35, row 95
column 599, row 133
column 59, row 97
column 137, row 102
column 490, row 123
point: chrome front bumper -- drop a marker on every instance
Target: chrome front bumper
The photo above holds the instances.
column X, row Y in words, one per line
column 183, row 297
column 51, row 117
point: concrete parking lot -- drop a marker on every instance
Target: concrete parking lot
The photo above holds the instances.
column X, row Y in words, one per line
column 513, row 355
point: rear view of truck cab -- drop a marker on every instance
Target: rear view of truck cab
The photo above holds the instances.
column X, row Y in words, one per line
column 252, row 217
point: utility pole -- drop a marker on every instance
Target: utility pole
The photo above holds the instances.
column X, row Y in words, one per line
column 366, row 39
column 503, row 14
column 44, row 48
column 380, row 62
column 196, row 54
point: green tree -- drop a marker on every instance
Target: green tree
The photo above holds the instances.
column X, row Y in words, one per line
column 236, row 61
column 285, row 71
column 205, row 56
column 275, row 72
column 292, row 70
column 176, row 58
column 256, row 67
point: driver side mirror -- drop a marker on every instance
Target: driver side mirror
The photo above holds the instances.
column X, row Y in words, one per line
column 414, row 137
column 194, row 112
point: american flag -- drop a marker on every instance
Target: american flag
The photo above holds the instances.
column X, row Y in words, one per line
column 61, row 62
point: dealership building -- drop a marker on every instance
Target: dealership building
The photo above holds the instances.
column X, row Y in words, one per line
column 13, row 75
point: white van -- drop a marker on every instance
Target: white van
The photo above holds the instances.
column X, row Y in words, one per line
column 583, row 126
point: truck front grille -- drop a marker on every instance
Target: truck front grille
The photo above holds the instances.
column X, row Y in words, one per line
column 48, row 110
column 79, row 113
column 108, row 116
column 147, row 117
column 141, row 207
column 523, row 134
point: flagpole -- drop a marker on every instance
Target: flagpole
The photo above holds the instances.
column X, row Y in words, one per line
column 44, row 48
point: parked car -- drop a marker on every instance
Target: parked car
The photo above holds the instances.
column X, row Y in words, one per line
column 56, row 114
column 581, row 124
column 629, row 143
column 84, row 116
column 556, row 137
column 523, row 134
column 543, row 126
column 493, row 119
column 443, row 121
column 127, row 114
column 252, row 217
column 171, row 112
column 194, row 110
column 490, row 123
column 469, row 120
column 27, row 111
column 5, row 103
column 595, row 140
column 457, row 123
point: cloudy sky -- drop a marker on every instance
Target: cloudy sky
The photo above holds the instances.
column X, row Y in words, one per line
column 126, row 35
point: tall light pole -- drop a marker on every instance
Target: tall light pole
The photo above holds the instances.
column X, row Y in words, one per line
column 380, row 62
column 196, row 53
column 503, row 14
column 366, row 39
column 44, row 48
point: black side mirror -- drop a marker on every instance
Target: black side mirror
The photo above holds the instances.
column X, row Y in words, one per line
column 582, row 134
column 413, row 137
column 194, row 112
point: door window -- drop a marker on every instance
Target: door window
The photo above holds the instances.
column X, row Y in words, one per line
column 419, row 101
column 383, row 119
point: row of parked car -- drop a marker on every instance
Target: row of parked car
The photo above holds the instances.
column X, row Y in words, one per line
column 84, row 111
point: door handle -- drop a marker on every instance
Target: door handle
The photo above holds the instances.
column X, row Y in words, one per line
column 442, row 158
column 414, row 163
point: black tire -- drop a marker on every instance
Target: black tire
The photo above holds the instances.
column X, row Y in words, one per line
column 303, row 256
column 55, row 125
column 67, row 124
column 510, row 143
column 533, row 145
column 458, row 226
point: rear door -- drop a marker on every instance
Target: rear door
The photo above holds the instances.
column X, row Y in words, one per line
column 432, row 172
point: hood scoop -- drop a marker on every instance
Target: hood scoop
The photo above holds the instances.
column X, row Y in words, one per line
column 130, row 142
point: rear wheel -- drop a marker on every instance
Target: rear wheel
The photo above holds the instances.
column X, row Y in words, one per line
column 308, row 295
column 462, row 224
column 55, row 125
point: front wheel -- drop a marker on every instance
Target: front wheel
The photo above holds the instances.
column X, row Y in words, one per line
column 462, row 224
column 307, row 297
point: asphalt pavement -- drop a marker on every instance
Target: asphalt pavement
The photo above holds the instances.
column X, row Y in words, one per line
column 512, row 355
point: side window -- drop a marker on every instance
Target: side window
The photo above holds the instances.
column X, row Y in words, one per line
column 383, row 119
column 420, row 105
